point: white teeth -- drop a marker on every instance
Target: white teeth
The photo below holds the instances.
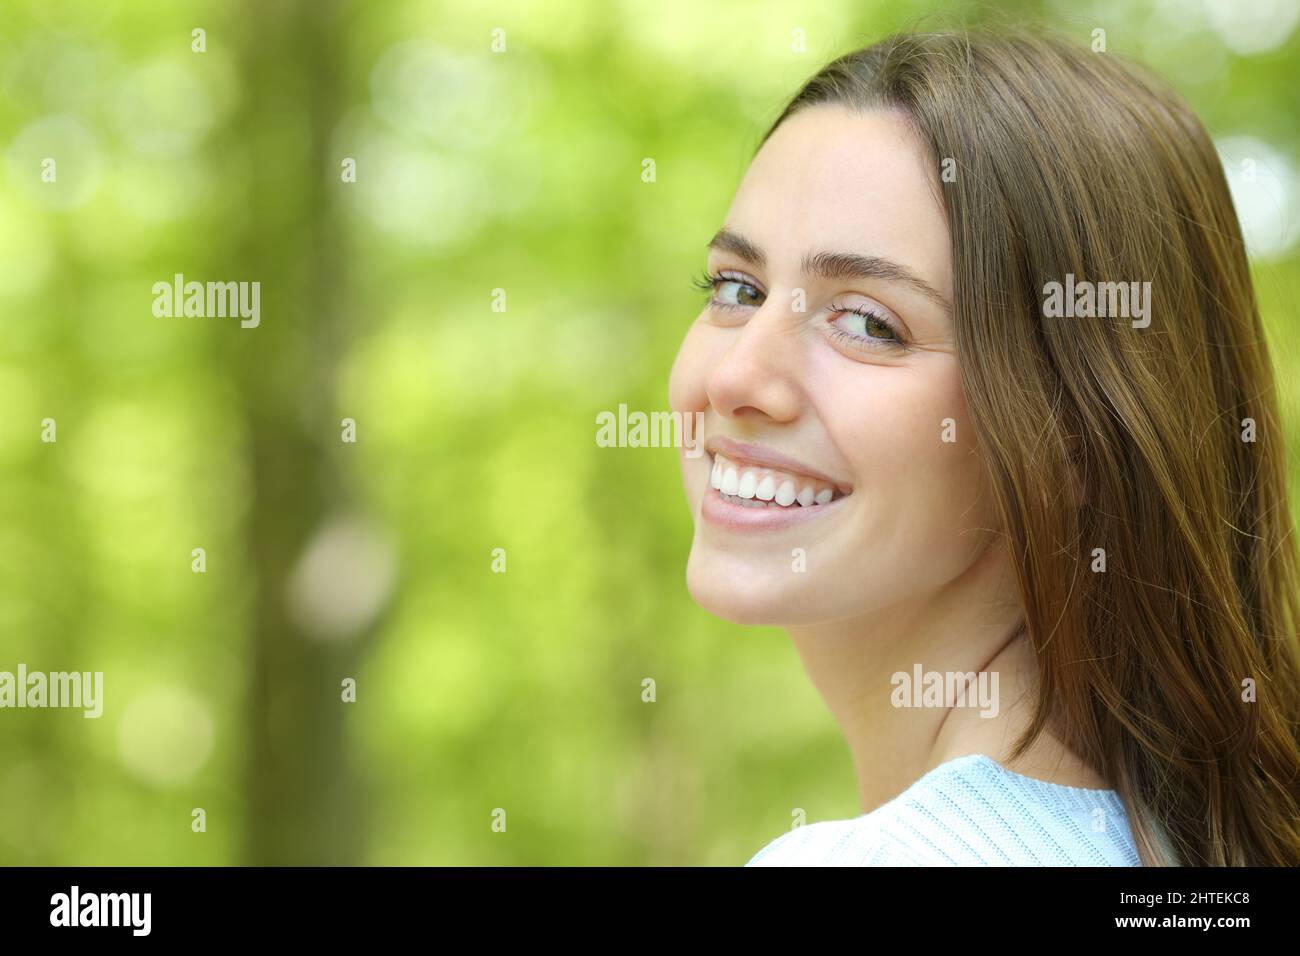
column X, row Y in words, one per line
column 759, row 488
column 746, row 502
column 785, row 494
column 748, row 483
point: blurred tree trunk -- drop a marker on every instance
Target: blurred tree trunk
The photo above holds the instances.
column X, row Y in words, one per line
column 302, row 802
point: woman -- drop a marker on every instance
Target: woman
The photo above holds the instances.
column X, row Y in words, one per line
column 939, row 480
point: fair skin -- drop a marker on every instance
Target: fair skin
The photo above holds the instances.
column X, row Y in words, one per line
column 840, row 379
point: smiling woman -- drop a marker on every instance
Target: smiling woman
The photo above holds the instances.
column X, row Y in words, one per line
column 914, row 466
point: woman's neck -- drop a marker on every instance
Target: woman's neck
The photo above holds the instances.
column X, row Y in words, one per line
column 867, row 670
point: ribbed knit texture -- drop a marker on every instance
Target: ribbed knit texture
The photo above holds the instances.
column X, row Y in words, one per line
column 970, row 811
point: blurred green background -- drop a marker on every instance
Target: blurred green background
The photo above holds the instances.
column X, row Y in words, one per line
column 518, row 170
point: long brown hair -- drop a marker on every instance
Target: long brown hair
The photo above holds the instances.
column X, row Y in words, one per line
column 1157, row 450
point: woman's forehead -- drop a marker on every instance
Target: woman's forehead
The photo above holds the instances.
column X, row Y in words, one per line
column 834, row 177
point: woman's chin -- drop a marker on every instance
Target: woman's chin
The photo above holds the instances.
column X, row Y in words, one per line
column 743, row 596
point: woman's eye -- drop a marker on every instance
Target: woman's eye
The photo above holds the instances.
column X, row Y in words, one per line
column 866, row 325
column 864, row 328
column 732, row 292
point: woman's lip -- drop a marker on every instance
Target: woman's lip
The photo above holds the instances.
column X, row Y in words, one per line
column 716, row 511
column 743, row 452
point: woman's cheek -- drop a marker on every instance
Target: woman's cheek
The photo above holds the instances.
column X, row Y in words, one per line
column 686, row 383
column 910, row 440
column 943, row 470
column 687, row 394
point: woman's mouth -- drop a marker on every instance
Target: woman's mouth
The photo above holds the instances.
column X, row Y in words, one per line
column 760, row 487
column 749, row 495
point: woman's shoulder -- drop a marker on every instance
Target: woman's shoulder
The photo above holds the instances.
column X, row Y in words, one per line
column 969, row 811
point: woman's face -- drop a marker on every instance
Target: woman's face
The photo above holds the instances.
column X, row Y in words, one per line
column 826, row 370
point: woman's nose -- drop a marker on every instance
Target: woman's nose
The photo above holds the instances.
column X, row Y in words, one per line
column 758, row 375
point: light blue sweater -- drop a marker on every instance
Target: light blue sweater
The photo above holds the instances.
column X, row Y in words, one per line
column 970, row 811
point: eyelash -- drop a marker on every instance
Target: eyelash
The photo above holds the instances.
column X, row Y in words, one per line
column 708, row 282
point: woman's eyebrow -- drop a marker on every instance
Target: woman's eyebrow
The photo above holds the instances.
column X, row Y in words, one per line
column 834, row 265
